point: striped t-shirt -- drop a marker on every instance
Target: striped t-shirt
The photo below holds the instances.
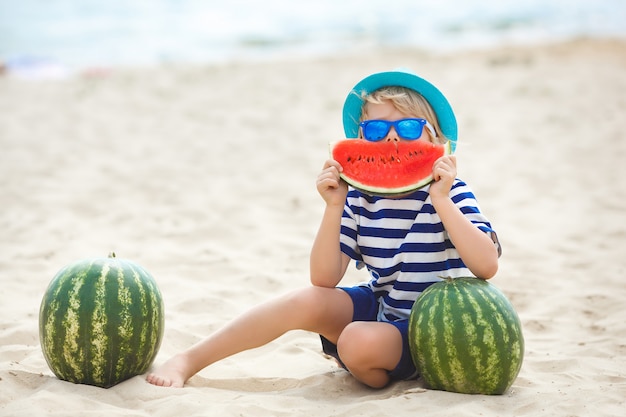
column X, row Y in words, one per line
column 404, row 245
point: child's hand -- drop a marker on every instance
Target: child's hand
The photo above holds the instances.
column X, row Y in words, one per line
column 330, row 186
column 444, row 173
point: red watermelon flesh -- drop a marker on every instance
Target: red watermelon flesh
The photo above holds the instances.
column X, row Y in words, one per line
column 387, row 168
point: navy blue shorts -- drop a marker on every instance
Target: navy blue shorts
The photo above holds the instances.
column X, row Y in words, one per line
column 366, row 309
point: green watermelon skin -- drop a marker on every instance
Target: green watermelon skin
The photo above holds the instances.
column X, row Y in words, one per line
column 466, row 337
column 101, row 321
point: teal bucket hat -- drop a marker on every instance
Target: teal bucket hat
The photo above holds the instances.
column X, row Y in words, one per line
column 403, row 78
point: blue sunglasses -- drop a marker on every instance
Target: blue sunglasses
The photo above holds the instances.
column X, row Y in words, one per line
column 410, row 129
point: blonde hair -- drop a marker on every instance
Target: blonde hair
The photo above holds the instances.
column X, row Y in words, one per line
column 408, row 102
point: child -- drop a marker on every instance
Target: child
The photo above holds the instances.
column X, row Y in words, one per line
column 406, row 243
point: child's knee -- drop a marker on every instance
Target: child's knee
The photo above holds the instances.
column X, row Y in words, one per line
column 306, row 303
column 321, row 310
column 368, row 345
column 355, row 344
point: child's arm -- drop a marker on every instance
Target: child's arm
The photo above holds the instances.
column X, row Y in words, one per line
column 477, row 250
column 327, row 263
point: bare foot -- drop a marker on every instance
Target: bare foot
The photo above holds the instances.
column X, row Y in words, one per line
column 173, row 373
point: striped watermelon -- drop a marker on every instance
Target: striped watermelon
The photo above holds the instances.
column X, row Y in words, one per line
column 101, row 321
column 466, row 337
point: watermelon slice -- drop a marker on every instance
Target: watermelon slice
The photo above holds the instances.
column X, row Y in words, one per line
column 387, row 168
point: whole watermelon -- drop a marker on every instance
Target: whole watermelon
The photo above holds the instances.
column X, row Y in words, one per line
column 101, row 321
column 466, row 337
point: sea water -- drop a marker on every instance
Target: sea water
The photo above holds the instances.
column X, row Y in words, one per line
column 95, row 33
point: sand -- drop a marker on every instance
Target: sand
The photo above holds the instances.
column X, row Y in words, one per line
column 205, row 175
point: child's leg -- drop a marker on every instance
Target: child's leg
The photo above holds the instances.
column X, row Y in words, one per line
column 384, row 350
column 374, row 352
column 326, row 311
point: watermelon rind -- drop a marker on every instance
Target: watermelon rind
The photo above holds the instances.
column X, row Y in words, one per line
column 466, row 337
column 101, row 321
column 386, row 191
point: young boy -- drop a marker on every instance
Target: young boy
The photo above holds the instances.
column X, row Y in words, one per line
column 406, row 243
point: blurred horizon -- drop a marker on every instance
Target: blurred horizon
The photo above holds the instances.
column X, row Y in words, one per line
column 96, row 33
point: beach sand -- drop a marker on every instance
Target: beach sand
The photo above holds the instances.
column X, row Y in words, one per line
column 205, row 175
